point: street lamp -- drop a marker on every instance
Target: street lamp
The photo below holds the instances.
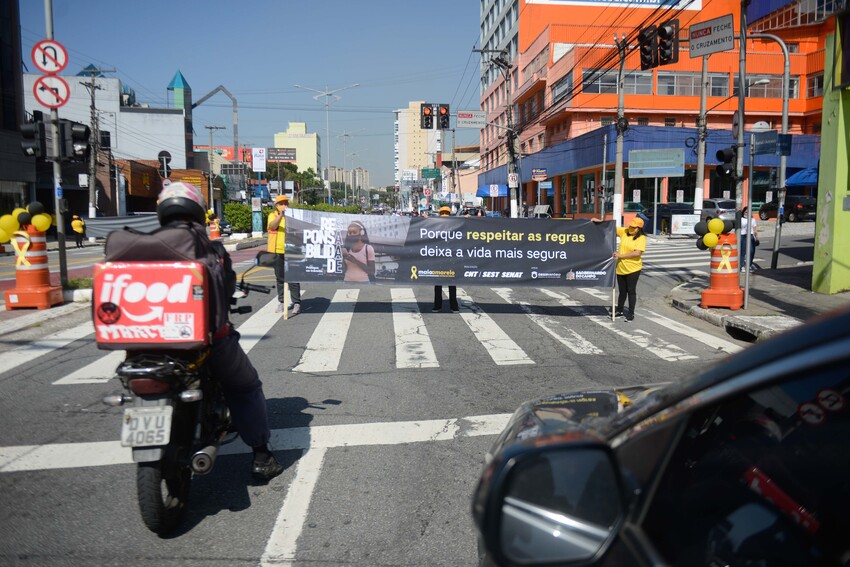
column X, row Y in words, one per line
column 328, row 94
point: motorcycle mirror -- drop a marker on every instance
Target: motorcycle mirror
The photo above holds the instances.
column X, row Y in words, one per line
column 265, row 259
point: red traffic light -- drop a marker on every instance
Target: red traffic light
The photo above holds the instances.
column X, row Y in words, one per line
column 426, row 110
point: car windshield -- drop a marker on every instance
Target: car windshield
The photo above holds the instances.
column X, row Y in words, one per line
column 725, row 204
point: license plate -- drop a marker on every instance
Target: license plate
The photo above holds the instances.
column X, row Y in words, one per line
column 146, row 427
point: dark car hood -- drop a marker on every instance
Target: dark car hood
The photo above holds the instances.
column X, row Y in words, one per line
column 579, row 410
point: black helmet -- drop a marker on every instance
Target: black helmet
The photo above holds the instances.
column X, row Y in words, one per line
column 181, row 200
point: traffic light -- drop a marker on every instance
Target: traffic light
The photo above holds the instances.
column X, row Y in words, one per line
column 35, row 143
column 426, row 116
column 727, row 158
column 444, row 117
column 648, row 46
column 668, row 42
column 75, row 140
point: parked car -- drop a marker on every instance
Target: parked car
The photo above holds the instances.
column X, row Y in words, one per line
column 723, row 209
column 745, row 464
column 225, row 228
column 471, row 211
column 797, row 207
column 666, row 212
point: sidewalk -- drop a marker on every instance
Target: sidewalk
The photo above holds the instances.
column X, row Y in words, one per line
column 778, row 299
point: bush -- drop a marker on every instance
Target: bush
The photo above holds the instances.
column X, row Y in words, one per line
column 79, row 283
column 239, row 216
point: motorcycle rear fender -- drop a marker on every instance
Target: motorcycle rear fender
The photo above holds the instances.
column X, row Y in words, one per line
column 147, row 454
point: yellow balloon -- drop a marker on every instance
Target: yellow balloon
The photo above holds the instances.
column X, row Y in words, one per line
column 4, row 236
column 9, row 223
column 715, row 226
column 710, row 239
column 41, row 222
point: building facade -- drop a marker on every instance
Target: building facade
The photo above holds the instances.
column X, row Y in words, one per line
column 562, row 87
column 307, row 146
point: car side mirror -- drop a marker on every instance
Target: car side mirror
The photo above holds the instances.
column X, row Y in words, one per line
column 562, row 503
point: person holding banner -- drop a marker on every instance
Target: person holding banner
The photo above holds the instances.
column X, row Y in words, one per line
column 438, row 289
column 358, row 254
column 629, row 265
column 277, row 244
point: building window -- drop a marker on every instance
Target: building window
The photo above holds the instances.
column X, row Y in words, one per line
column 595, row 81
column 688, row 84
column 562, row 88
column 669, row 122
column 643, row 121
column 771, row 89
column 814, row 86
column 606, row 121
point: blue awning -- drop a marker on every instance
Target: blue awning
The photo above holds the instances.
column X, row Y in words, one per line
column 804, row 178
column 492, row 191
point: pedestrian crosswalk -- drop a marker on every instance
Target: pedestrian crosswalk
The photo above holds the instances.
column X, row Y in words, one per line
column 679, row 258
column 505, row 326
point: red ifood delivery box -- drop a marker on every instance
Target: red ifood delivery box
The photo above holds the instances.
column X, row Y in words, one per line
column 156, row 305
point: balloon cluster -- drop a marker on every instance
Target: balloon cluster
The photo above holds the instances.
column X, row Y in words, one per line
column 33, row 215
column 710, row 232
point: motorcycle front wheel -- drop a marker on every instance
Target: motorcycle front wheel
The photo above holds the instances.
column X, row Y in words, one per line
column 163, row 493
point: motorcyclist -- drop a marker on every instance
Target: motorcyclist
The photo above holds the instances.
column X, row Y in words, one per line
column 182, row 203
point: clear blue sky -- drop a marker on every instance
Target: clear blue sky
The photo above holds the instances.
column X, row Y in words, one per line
column 397, row 50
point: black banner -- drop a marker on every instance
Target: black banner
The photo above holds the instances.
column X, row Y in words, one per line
column 453, row 250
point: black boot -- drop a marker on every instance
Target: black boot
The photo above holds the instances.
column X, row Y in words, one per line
column 264, row 466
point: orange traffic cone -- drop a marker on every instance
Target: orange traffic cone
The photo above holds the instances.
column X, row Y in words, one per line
column 723, row 290
column 215, row 230
column 32, row 278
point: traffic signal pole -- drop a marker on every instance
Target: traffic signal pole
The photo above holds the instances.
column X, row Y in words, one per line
column 622, row 47
column 742, row 81
column 57, row 167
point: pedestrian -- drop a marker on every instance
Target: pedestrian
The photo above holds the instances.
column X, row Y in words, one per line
column 438, row 289
column 749, row 239
column 358, row 254
column 78, row 225
column 629, row 265
column 277, row 244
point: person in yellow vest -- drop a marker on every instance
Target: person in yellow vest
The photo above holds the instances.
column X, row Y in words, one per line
column 629, row 265
column 277, row 243
column 78, row 225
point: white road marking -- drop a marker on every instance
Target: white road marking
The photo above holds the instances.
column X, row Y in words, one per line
column 324, row 349
column 659, row 347
column 255, row 327
column 103, row 453
column 413, row 344
column 280, row 549
column 100, row 371
column 25, row 354
column 705, row 338
column 552, row 325
column 501, row 348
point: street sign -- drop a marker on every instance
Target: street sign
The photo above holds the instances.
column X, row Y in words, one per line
column 538, row 174
column 430, row 173
column 49, row 56
column 258, row 160
column 764, row 143
column 427, row 192
column 513, row 180
column 545, row 185
column 471, row 119
column 657, row 163
column 281, row 154
column 51, row 91
column 711, row 36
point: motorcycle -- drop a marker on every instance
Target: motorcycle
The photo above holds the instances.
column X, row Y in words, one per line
column 176, row 419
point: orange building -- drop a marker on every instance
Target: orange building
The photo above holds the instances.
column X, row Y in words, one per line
column 563, row 88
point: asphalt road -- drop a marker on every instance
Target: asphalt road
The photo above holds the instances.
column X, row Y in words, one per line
column 382, row 449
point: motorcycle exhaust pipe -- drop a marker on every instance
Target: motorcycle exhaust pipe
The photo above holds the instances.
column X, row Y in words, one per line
column 203, row 460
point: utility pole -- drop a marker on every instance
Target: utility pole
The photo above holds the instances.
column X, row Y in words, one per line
column 742, row 82
column 57, row 167
column 699, row 193
column 94, row 140
column 622, row 48
column 504, row 65
column 455, row 183
column 210, row 155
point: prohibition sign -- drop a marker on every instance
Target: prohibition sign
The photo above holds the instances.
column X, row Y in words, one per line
column 811, row 413
column 49, row 56
column 51, row 91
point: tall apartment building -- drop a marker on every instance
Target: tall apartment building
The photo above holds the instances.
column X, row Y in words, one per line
column 307, row 146
column 562, row 94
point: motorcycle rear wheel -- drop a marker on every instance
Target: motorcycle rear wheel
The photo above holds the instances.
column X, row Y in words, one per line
column 163, row 493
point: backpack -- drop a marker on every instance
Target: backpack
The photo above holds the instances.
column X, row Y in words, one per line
column 180, row 241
